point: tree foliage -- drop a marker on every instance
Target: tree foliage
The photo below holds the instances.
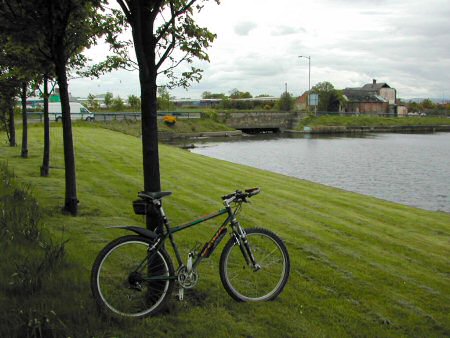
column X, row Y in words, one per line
column 92, row 102
column 329, row 97
column 428, row 104
column 108, row 99
column 286, row 102
column 58, row 31
column 236, row 94
column 134, row 102
column 118, row 104
column 164, row 99
column 209, row 95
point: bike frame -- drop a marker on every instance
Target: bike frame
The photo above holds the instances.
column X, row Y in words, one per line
column 208, row 248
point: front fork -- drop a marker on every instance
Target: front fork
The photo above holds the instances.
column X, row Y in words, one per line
column 240, row 237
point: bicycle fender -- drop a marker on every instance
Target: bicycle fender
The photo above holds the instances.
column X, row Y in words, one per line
column 140, row 231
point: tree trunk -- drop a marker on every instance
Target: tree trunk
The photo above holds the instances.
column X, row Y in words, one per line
column 46, row 156
column 71, row 200
column 11, row 123
column 145, row 46
column 24, row 152
column 150, row 152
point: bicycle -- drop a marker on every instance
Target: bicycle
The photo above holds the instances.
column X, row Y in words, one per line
column 134, row 275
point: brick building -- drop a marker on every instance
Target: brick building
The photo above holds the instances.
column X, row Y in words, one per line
column 373, row 98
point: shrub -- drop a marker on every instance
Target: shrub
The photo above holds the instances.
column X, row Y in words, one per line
column 169, row 120
column 33, row 254
column 210, row 114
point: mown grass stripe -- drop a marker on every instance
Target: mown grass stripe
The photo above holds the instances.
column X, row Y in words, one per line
column 361, row 266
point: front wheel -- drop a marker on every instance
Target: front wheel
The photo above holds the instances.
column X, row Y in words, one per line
column 262, row 282
column 127, row 281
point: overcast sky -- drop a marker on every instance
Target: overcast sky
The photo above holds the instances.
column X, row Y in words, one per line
column 405, row 43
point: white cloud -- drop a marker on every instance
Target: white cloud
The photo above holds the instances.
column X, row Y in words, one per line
column 403, row 43
column 244, row 28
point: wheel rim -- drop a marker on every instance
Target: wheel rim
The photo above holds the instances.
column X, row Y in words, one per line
column 113, row 280
column 250, row 285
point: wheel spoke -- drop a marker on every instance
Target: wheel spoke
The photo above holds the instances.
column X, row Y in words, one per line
column 246, row 284
column 121, row 289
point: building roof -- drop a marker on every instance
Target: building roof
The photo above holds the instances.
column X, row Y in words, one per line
column 375, row 86
column 368, row 93
column 371, row 87
column 360, row 95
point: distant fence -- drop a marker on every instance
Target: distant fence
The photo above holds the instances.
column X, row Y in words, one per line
column 57, row 116
column 137, row 116
column 116, row 116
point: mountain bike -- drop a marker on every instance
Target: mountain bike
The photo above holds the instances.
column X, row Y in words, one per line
column 134, row 275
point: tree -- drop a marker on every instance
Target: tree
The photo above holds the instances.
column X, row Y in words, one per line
column 45, row 167
column 9, row 88
column 164, row 99
column 108, row 99
column 236, row 94
column 134, row 102
column 286, row 102
column 23, row 97
column 159, row 28
column 92, row 102
column 209, row 95
column 19, row 66
column 30, row 66
column 117, row 104
column 329, row 97
column 60, row 31
column 428, row 104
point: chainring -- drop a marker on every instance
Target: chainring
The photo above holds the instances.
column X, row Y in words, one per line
column 187, row 280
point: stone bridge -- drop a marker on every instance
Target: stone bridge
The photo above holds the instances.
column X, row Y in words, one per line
column 261, row 121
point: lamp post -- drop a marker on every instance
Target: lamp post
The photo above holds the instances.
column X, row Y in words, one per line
column 309, row 77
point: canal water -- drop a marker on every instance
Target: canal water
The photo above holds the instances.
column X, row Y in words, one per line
column 412, row 169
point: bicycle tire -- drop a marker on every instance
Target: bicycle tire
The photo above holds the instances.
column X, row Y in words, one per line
column 119, row 290
column 247, row 285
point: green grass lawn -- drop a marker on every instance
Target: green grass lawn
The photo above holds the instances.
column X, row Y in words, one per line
column 360, row 266
column 370, row 121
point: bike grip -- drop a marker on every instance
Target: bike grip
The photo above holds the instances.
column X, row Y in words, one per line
column 227, row 196
column 253, row 191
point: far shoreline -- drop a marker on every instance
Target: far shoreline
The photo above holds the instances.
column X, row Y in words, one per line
column 372, row 129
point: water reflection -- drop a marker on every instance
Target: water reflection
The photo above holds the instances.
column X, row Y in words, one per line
column 412, row 169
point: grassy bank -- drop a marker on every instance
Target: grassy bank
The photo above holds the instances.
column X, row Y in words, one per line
column 360, row 266
column 181, row 126
column 370, row 121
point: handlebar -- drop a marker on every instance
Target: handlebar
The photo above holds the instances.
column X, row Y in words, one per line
column 239, row 196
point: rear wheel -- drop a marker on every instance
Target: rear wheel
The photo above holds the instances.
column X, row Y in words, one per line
column 267, row 279
column 125, row 282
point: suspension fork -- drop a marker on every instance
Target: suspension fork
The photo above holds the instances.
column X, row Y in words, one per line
column 240, row 238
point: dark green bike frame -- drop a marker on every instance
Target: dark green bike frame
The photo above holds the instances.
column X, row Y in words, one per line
column 209, row 246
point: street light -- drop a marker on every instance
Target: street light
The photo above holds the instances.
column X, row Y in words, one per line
column 309, row 77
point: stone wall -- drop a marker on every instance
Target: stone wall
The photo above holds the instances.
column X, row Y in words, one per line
column 260, row 120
